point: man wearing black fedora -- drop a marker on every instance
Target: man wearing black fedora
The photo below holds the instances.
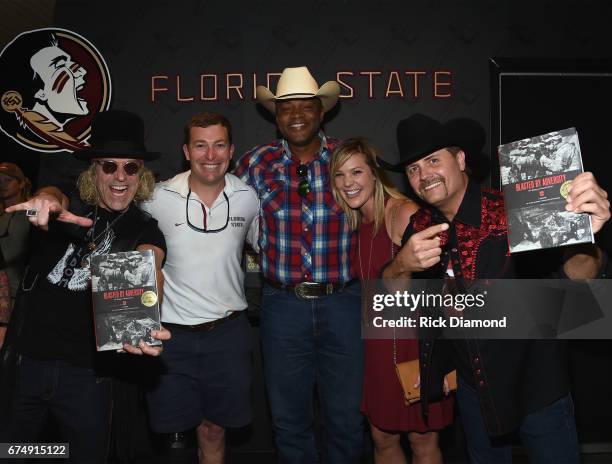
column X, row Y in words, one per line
column 505, row 386
column 59, row 373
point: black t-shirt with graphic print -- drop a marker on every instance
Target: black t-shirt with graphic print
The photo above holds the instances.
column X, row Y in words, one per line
column 59, row 321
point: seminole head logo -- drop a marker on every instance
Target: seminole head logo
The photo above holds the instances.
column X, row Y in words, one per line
column 53, row 82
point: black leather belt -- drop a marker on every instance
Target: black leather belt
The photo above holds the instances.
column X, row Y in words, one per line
column 205, row 326
column 310, row 290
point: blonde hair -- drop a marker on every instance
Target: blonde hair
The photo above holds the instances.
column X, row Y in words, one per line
column 86, row 183
column 383, row 188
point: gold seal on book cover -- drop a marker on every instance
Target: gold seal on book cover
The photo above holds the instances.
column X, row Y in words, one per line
column 148, row 298
column 564, row 190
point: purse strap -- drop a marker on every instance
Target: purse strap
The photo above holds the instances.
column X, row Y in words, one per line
column 393, row 215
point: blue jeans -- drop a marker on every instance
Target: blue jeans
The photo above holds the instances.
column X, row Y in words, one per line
column 79, row 401
column 548, row 434
column 307, row 345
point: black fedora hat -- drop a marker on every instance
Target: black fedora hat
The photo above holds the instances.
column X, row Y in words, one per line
column 420, row 135
column 117, row 134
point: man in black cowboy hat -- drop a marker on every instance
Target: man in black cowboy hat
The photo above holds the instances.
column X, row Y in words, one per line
column 504, row 386
column 60, row 374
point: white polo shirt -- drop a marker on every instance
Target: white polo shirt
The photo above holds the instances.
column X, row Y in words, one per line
column 203, row 277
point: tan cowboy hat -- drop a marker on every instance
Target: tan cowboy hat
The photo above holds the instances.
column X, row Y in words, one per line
column 298, row 83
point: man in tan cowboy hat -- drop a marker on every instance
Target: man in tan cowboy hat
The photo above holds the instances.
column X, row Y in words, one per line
column 310, row 323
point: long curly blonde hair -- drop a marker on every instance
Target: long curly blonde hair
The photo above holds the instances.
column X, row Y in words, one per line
column 86, row 183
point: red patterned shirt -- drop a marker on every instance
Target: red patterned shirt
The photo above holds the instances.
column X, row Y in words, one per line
column 476, row 244
column 301, row 238
column 504, row 373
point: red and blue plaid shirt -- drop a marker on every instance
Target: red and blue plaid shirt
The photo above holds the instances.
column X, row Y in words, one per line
column 301, row 239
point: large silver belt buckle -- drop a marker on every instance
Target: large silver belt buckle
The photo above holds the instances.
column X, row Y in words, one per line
column 304, row 290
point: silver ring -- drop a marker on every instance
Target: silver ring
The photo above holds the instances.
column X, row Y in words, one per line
column 31, row 212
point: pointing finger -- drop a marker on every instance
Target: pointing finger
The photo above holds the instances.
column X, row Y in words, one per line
column 19, row 207
column 432, row 231
column 67, row 216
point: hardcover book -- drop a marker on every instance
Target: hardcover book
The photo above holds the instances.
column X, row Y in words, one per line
column 536, row 174
column 125, row 299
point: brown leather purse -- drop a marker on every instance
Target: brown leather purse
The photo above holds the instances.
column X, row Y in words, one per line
column 408, row 371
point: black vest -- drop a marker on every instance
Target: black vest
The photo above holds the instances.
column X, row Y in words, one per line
column 127, row 233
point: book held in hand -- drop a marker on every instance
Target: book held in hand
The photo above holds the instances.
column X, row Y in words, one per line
column 536, row 174
column 125, row 299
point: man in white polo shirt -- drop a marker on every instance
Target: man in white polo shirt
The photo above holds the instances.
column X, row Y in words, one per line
column 206, row 215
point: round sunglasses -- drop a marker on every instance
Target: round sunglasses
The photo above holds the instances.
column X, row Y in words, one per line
column 131, row 168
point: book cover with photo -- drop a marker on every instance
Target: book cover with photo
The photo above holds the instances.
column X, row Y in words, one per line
column 536, row 173
column 125, row 299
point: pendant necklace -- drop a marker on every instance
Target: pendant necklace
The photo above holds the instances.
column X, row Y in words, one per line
column 369, row 258
column 91, row 244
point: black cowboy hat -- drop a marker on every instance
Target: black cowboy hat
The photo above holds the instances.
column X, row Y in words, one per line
column 420, row 135
column 473, row 141
column 117, row 134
